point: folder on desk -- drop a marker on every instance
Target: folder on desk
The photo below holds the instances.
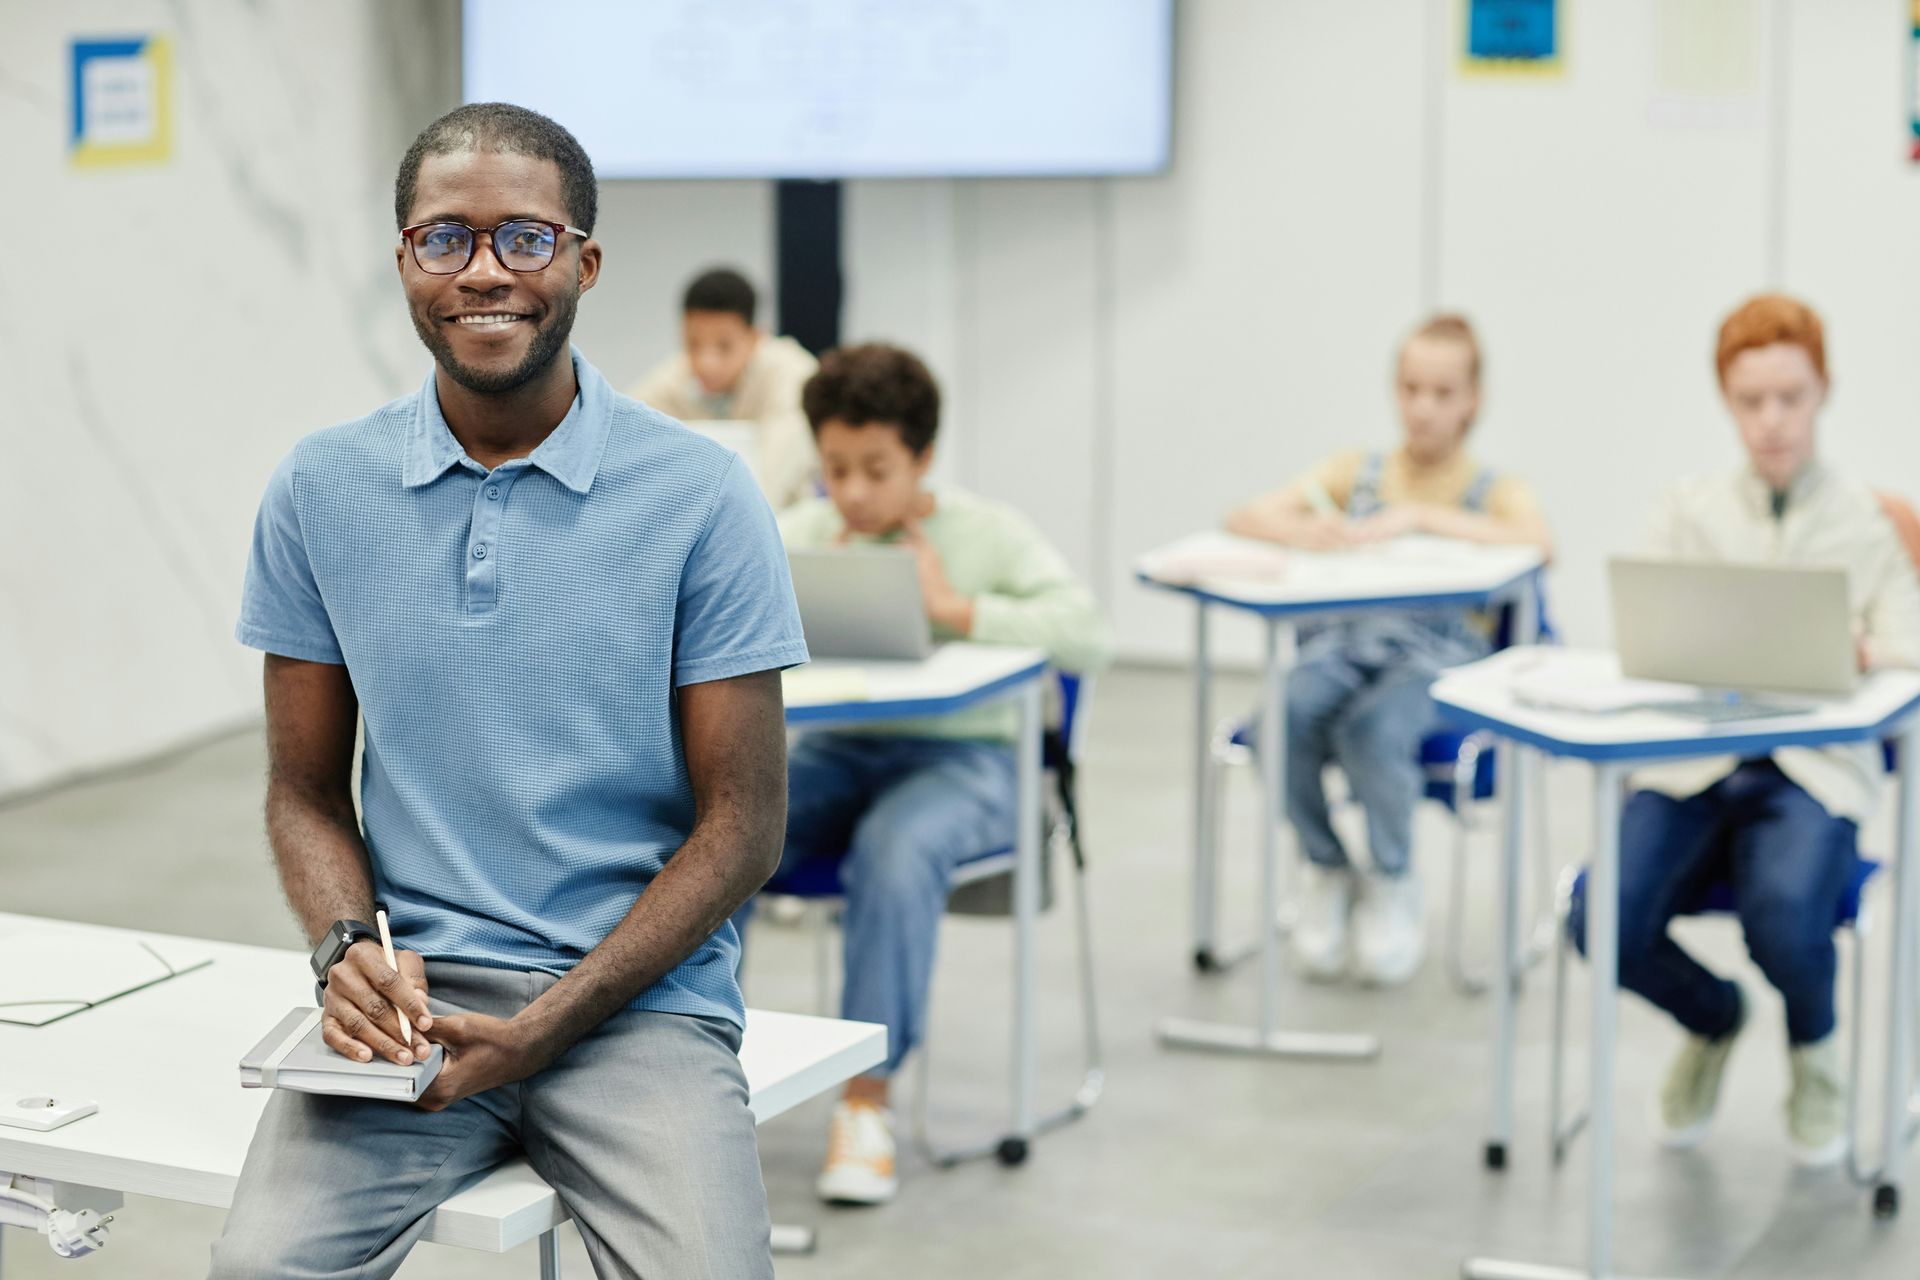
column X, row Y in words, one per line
column 295, row 1056
column 47, row 975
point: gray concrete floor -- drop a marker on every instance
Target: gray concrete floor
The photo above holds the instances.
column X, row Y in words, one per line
column 1193, row 1165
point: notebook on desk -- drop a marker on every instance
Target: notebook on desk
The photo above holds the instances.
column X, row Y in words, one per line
column 294, row 1056
column 50, row 974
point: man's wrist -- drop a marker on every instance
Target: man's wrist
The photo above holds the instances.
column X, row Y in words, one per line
column 955, row 613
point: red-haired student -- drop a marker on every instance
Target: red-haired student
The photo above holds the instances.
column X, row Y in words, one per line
column 1781, row 828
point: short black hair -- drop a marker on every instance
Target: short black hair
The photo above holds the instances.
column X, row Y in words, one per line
column 875, row 383
column 501, row 126
column 720, row 289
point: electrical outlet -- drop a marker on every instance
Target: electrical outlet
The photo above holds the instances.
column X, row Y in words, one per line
column 41, row 1112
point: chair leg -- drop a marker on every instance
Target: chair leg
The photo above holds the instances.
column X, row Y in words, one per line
column 1466, row 983
column 1011, row 1151
column 1855, row 1057
column 1562, row 1131
column 1208, row 954
column 821, row 909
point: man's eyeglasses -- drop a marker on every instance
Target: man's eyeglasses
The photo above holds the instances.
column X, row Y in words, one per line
column 524, row 244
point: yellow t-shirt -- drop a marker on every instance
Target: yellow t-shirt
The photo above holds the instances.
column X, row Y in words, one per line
column 1401, row 481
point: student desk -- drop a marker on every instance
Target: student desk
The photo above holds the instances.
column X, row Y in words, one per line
column 1482, row 696
column 1407, row 574
column 175, row 1123
column 843, row 695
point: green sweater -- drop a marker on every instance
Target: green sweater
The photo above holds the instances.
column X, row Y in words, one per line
column 1022, row 591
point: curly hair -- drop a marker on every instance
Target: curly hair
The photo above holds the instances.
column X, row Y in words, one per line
column 873, row 383
column 501, row 126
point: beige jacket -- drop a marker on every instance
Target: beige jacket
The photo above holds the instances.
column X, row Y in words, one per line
column 1829, row 520
column 786, row 465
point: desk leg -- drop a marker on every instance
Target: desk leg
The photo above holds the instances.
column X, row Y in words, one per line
column 1204, row 857
column 1026, row 911
column 549, row 1255
column 1511, row 790
column 1603, row 938
column 1906, row 897
column 1264, row 1038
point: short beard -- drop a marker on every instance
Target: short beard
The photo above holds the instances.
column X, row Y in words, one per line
column 548, row 341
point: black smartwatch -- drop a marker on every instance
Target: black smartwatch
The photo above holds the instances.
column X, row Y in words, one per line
column 341, row 934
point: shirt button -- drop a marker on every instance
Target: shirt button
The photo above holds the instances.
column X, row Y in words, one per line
column 493, row 493
column 480, row 551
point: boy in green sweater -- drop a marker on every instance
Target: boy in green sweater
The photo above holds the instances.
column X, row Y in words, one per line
column 905, row 803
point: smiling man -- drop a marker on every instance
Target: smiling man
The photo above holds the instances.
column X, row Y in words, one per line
column 559, row 619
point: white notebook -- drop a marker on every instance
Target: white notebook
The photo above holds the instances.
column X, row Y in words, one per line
column 49, row 975
column 293, row 1056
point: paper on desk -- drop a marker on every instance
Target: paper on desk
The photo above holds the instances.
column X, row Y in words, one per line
column 1594, row 692
column 1215, row 556
column 46, row 975
column 820, row 684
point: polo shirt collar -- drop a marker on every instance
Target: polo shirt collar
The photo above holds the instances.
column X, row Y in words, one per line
column 570, row 454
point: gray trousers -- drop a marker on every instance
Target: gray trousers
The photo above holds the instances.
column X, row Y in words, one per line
column 642, row 1128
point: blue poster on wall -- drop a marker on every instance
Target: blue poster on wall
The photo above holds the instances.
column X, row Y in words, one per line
column 122, row 101
column 1512, row 35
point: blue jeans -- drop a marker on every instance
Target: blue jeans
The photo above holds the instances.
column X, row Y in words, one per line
column 1369, row 718
column 900, row 815
column 1789, row 862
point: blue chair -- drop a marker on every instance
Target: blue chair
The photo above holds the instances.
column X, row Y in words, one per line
column 1459, row 768
column 1718, row 900
column 817, row 882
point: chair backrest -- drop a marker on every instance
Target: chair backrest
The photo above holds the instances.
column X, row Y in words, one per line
column 1905, row 521
column 1074, row 690
column 1506, row 619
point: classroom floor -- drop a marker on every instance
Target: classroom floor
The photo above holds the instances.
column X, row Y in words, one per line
column 1193, row 1165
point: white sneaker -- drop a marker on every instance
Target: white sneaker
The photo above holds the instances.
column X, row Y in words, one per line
column 1389, row 929
column 1319, row 937
column 859, row 1168
column 1817, row 1107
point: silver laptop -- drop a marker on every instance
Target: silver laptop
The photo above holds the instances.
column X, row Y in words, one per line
column 861, row 602
column 1734, row 627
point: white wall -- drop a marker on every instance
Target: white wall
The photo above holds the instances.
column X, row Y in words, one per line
column 1131, row 357
column 1124, row 359
column 177, row 330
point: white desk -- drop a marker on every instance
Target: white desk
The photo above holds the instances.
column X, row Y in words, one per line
column 1481, row 696
column 175, row 1123
column 1216, row 569
column 956, row 677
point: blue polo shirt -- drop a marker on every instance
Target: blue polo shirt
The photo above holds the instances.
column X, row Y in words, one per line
column 515, row 637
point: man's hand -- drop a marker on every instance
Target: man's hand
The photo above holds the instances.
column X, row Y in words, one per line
column 482, row 1053
column 362, row 994
column 945, row 606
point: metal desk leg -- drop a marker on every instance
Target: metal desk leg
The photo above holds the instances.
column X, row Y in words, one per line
column 1205, row 893
column 1265, row 1038
column 550, row 1255
column 1603, row 938
column 1512, row 823
column 1906, row 897
column 1026, row 911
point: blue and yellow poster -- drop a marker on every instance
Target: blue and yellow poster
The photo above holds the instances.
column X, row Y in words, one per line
column 122, row 101
column 1512, row 37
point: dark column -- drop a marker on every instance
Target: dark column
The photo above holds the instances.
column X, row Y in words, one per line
column 807, row 262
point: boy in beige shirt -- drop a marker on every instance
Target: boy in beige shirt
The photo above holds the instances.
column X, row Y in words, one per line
column 728, row 369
